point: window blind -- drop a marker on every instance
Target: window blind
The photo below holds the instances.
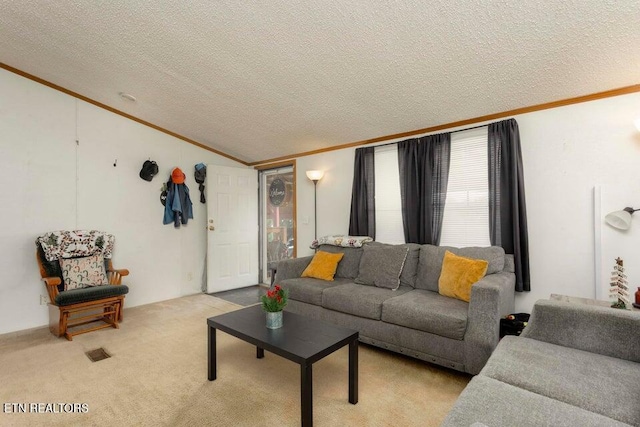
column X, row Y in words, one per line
column 389, row 227
column 466, row 212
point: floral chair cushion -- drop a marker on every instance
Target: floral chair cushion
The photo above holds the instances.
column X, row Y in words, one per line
column 83, row 272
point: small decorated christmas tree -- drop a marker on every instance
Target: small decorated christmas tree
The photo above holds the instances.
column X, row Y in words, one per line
column 618, row 287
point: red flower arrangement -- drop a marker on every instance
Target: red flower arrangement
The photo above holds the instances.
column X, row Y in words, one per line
column 275, row 299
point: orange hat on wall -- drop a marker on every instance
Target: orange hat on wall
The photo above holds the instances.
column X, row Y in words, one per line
column 177, row 176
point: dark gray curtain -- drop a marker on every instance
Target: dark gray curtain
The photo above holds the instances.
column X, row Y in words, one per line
column 507, row 208
column 363, row 210
column 424, row 171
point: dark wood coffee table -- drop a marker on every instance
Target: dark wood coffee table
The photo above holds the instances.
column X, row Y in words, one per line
column 301, row 340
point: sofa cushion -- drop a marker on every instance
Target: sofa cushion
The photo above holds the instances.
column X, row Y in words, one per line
column 323, row 266
column 594, row 328
column 93, row 293
column 459, row 274
column 381, row 266
column 359, row 300
column 309, row 290
column 489, row 402
column 348, row 267
column 429, row 312
column 431, row 257
column 594, row 382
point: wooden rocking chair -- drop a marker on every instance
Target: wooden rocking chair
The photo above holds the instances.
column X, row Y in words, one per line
column 76, row 307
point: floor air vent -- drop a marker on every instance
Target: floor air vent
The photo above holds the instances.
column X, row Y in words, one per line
column 98, row 354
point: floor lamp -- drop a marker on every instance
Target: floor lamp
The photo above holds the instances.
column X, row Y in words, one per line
column 315, row 176
column 620, row 219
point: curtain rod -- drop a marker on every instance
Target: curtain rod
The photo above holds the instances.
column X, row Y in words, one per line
column 454, row 131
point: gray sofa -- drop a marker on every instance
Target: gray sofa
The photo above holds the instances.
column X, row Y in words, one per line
column 574, row 365
column 413, row 319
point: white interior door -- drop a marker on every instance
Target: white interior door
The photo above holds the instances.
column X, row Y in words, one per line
column 232, row 227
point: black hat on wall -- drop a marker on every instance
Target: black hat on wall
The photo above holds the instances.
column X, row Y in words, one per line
column 149, row 170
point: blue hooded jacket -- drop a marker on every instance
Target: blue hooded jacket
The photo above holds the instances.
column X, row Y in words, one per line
column 178, row 208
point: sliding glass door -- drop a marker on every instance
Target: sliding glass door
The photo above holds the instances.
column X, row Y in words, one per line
column 277, row 225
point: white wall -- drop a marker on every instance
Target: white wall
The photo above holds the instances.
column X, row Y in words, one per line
column 52, row 184
column 611, row 243
column 334, row 196
column 566, row 152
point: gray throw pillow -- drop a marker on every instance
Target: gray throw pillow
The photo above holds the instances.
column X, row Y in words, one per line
column 381, row 266
column 410, row 269
column 348, row 266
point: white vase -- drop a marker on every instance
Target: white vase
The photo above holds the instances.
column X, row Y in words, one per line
column 274, row 319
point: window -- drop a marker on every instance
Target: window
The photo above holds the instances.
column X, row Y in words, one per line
column 466, row 213
column 389, row 227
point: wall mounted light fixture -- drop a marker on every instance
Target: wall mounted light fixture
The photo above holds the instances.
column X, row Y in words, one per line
column 620, row 219
column 315, row 176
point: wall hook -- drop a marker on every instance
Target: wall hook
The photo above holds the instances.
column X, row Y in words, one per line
column 115, row 163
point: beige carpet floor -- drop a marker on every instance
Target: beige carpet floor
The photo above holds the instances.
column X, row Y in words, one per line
column 157, row 376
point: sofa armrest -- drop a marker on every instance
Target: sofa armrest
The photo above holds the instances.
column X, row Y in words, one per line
column 292, row 268
column 603, row 330
column 492, row 298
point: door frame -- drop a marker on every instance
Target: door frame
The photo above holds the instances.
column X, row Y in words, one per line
column 261, row 169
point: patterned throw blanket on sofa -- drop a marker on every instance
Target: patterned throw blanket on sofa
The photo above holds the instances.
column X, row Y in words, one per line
column 77, row 243
column 342, row 241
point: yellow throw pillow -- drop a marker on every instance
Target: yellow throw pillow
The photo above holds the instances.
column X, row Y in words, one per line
column 323, row 265
column 458, row 274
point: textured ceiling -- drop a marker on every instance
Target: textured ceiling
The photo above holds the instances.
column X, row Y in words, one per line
column 264, row 79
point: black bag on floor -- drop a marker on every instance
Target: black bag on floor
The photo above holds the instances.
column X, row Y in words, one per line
column 513, row 324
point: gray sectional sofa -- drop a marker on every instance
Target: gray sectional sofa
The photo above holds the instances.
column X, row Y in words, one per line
column 574, row 365
column 413, row 319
